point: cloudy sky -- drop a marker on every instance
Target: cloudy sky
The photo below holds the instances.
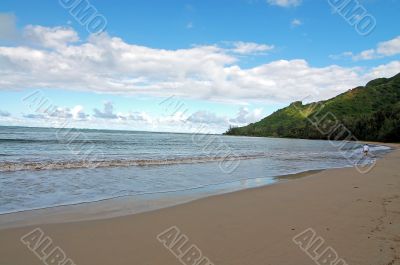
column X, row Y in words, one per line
column 180, row 64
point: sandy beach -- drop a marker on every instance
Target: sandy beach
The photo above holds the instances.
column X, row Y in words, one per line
column 356, row 215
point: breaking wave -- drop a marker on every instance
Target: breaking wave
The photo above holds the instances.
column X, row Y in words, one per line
column 77, row 164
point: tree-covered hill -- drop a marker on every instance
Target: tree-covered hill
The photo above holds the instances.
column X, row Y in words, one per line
column 366, row 113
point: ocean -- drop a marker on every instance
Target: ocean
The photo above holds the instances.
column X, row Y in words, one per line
column 47, row 167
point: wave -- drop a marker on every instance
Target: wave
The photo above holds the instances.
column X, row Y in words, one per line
column 62, row 141
column 11, row 166
column 58, row 165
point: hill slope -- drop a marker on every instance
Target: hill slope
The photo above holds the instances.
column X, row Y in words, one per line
column 369, row 113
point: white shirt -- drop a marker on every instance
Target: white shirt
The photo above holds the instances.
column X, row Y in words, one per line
column 365, row 148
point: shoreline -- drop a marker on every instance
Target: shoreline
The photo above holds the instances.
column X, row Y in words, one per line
column 134, row 204
column 356, row 214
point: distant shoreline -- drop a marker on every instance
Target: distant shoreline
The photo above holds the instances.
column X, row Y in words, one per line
column 169, row 132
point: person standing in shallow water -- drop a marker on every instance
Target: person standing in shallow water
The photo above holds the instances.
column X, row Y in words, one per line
column 365, row 150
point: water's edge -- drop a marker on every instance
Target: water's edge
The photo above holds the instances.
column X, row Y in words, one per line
column 131, row 204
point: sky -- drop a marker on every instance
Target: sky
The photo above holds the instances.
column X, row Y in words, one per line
column 185, row 65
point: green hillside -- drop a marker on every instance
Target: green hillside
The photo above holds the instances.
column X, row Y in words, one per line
column 369, row 113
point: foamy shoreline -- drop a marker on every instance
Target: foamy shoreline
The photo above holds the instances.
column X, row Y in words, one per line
column 126, row 205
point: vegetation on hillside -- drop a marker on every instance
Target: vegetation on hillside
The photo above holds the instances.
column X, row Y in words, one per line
column 364, row 113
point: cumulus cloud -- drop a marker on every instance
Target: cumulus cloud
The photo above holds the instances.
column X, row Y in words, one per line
column 389, row 48
column 383, row 49
column 107, row 113
column 75, row 113
column 106, row 64
column 8, row 28
column 207, row 117
column 57, row 37
column 365, row 55
column 284, row 3
column 4, row 113
column 59, row 114
column 383, row 70
column 203, row 121
column 245, row 116
column 139, row 116
column 78, row 113
column 178, row 121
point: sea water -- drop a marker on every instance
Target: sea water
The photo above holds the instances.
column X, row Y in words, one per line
column 46, row 167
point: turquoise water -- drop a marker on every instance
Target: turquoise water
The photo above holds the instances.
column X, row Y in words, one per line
column 44, row 167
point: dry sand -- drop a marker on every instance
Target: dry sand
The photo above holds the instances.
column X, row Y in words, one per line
column 358, row 215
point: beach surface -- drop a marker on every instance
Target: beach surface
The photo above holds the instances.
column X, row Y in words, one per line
column 356, row 215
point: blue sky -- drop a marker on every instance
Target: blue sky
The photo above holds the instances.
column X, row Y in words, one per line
column 229, row 62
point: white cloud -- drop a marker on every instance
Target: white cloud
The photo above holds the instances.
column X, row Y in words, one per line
column 8, row 28
column 245, row 116
column 63, row 113
column 57, row 37
column 389, row 48
column 107, row 113
column 383, row 49
column 199, row 121
column 250, row 47
column 296, row 22
column 207, row 117
column 78, row 113
column 60, row 113
column 213, row 122
column 284, row 3
column 138, row 116
column 105, row 64
column 202, row 120
column 365, row 55
column 384, row 70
